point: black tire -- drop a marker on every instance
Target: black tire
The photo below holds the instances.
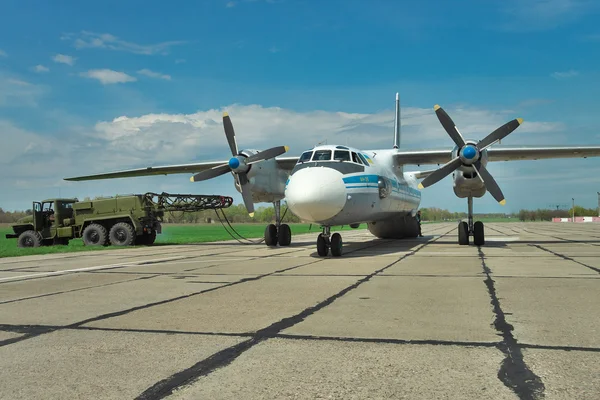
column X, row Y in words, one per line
column 322, row 247
column 151, row 238
column 336, row 245
column 284, row 236
column 30, row 239
column 271, row 235
column 478, row 234
column 95, row 235
column 122, row 234
column 463, row 233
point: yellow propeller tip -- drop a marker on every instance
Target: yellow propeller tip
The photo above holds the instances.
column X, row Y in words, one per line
column 520, row 120
column 421, row 186
column 251, row 215
column 503, row 202
column 286, row 148
column 225, row 114
column 192, row 179
column 436, row 107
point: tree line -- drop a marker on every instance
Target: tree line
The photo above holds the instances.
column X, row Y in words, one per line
column 239, row 214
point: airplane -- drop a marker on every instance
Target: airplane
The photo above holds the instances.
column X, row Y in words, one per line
column 333, row 185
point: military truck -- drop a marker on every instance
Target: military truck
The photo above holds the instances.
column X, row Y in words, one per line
column 119, row 221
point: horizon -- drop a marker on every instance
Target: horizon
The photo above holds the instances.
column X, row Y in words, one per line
column 86, row 90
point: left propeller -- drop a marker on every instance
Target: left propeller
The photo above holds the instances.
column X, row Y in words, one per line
column 469, row 154
column 239, row 164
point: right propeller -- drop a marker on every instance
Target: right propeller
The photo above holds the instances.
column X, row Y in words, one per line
column 239, row 164
column 469, row 154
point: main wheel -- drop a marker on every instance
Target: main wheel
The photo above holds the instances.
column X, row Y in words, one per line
column 478, row 234
column 30, row 239
column 271, row 235
column 336, row 245
column 94, row 235
column 322, row 247
column 463, row 233
column 284, row 236
column 122, row 234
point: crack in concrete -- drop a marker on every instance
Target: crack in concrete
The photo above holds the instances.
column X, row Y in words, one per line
column 514, row 372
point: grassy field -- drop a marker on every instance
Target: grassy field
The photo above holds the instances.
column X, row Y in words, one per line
column 171, row 234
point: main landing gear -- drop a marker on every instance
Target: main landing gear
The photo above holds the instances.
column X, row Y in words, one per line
column 278, row 232
column 471, row 229
column 326, row 241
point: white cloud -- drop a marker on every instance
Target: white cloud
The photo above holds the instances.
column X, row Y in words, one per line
column 230, row 4
column 179, row 61
column 566, row 74
column 107, row 41
column 152, row 74
column 40, row 68
column 3, row 53
column 160, row 139
column 545, row 14
column 64, row 59
column 17, row 92
column 108, row 76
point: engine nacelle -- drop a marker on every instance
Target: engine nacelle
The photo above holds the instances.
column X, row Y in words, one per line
column 267, row 182
column 396, row 228
column 466, row 180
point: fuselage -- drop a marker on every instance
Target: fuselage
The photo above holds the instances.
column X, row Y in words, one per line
column 339, row 185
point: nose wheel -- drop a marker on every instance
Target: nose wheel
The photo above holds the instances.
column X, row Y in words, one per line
column 326, row 241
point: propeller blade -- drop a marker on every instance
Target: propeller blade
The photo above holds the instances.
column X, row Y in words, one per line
column 499, row 133
column 266, row 154
column 211, row 173
column 247, row 197
column 230, row 134
column 441, row 173
column 490, row 184
column 449, row 126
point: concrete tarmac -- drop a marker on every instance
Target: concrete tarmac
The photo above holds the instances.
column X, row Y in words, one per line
column 517, row 318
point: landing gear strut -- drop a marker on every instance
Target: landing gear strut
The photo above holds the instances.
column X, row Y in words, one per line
column 466, row 229
column 326, row 241
column 278, row 232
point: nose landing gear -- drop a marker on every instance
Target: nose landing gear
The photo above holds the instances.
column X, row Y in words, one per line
column 326, row 241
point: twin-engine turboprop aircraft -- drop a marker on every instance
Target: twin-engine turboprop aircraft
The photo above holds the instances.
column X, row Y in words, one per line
column 341, row 185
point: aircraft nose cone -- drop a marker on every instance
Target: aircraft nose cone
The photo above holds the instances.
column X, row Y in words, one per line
column 469, row 152
column 316, row 194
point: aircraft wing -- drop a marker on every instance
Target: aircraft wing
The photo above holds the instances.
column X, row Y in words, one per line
column 499, row 153
column 287, row 163
column 149, row 171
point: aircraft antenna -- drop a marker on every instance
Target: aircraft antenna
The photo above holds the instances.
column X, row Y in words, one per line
column 397, row 123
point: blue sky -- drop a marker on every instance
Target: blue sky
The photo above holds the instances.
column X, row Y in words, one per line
column 93, row 87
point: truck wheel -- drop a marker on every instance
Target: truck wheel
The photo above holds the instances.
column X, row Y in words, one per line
column 122, row 234
column 30, row 239
column 94, row 235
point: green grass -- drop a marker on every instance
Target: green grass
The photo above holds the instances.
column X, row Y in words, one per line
column 171, row 234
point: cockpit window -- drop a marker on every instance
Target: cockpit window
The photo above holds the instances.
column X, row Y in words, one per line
column 355, row 158
column 305, row 156
column 363, row 159
column 322, row 155
column 341, row 155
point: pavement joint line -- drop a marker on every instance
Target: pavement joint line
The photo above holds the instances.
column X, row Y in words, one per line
column 567, row 258
column 226, row 356
column 514, row 372
column 24, row 329
column 560, row 239
column 75, row 270
column 76, row 290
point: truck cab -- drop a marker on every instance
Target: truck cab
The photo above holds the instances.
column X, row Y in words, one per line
column 50, row 221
